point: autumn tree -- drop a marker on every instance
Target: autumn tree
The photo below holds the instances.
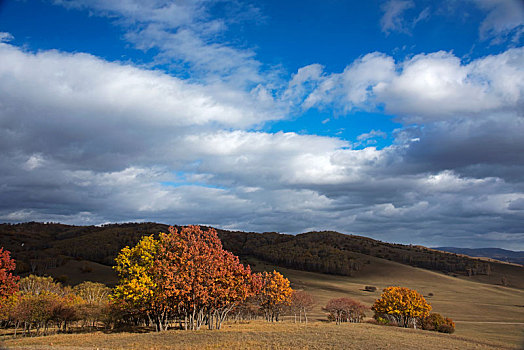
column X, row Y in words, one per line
column 95, row 299
column 183, row 273
column 436, row 322
column 275, row 295
column 301, row 302
column 39, row 284
column 403, row 305
column 345, row 310
column 202, row 281
column 8, row 281
column 138, row 286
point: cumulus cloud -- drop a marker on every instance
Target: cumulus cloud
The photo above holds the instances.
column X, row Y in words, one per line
column 5, row 37
column 426, row 87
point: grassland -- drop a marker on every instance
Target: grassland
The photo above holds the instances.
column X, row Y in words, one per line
column 260, row 335
column 487, row 316
column 482, row 311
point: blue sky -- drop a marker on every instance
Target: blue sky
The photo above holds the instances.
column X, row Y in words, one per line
column 398, row 119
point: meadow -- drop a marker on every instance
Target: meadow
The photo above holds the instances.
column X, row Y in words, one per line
column 261, row 335
column 487, row 317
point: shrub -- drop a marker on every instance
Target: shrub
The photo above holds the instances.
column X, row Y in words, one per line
column 432, row 322
column 436, row 322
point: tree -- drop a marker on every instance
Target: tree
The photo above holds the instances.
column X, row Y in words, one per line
column 8, row 281
column 95, row 297
column 185, row 273
column 138, row 286
column 38, row 284
column 345, row 310
column 202, row 281
column 301, row 302
column 403, row 305
column 274, row 295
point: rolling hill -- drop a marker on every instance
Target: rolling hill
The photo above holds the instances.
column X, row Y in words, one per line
column 40, row 247
column 492, row 253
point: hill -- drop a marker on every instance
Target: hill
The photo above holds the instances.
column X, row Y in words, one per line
column 39, row 248
column 492, row 253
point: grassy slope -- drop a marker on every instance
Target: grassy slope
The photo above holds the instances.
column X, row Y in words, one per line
column 259, row 335
column 469, row 303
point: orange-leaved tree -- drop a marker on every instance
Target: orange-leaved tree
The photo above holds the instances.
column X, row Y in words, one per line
column 274, row 295
column 8, row 281
column 202, row 281
column 403, row 305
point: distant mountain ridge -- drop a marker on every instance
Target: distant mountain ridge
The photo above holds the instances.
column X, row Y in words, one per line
column 511, row 256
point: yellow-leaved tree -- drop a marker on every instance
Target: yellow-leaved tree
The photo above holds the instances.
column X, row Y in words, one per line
column 138, row 287
column 275, row 294
column 403, row 305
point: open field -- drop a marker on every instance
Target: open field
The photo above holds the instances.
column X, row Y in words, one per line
column 481, row 311
column 487, row 316
column 260, row 335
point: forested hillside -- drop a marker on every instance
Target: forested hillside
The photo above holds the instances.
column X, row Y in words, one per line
column 38, row 247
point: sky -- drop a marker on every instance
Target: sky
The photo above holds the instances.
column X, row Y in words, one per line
column 400, row 120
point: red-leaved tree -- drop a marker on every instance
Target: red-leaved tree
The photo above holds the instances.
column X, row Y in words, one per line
column 301, row 302
column 345, row 310
column 8, row 281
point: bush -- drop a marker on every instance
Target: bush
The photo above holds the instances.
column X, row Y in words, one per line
column 436, row 322
column 446, row 328
column 432, row 322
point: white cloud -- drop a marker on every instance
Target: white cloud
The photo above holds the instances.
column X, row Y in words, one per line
column 504, row 18
column 426, row 87
column 185, row 34
column 372, row 134
column 76, row 88
column 5, row 37
column 393, row 18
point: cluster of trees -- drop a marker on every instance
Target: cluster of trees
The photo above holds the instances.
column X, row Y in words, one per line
column 186, row 275
column 41, row 303
column 345, row 310
column 183, row 276
column 406, row 307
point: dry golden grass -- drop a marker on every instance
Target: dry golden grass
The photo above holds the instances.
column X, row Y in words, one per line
column 260, row 335
column 466, row 302
column 487, row 317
